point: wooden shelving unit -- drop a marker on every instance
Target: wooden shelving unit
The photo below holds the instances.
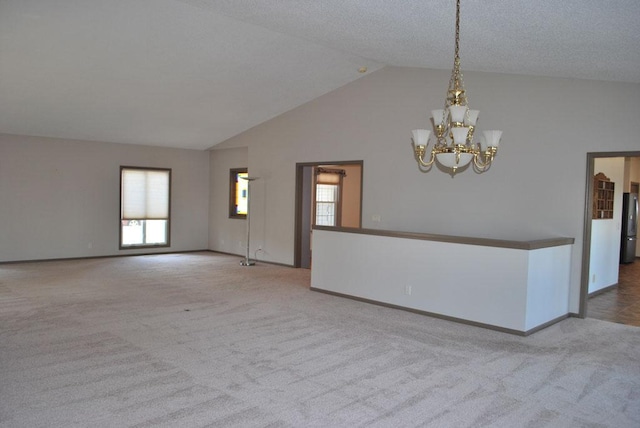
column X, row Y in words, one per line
column 603, row 191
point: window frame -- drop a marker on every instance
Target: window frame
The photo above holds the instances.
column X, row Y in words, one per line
column 335, row 202
column 168, row 219
column 318, row 173
column 233, row 179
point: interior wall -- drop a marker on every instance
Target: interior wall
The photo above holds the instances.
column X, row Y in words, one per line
column 351, row 195
column 606, row 233
column 535, row 189
column 627, row 174
column 61, row 198
column 634, row 173
column 227, row 235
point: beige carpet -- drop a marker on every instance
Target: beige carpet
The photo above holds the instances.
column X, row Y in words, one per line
column 195, row 340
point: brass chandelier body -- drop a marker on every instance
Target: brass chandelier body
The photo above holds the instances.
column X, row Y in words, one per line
column 454, row 127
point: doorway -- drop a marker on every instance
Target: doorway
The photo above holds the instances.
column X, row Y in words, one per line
column 606, row 302
column 327, row 194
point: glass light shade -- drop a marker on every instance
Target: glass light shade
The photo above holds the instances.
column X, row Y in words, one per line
column 449, row 159
column 492, row 138
column 438, row 117
column 460, row 135
column 457, row 113
column 472, row 118
column 421, row 137
column 483, row 144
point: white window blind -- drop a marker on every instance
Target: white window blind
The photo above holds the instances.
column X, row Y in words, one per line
column 145, row 194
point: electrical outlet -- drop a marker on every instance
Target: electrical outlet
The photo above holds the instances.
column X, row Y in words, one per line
column 375, row 218
column 407, row 290
column 593, row 278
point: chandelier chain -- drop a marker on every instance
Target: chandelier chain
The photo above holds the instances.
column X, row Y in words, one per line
column 457, row 30
column 459, row 78
column 456, row 62
column 456, row 81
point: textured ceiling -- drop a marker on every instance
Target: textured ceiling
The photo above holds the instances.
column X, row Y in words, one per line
column 192, row 73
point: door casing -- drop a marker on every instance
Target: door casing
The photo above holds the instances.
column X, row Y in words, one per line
column 302, row 198
column 588, row 212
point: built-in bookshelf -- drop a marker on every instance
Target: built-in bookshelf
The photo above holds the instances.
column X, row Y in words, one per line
column 603, row 191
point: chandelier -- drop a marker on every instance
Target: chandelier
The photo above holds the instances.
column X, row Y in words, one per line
column 454, row 128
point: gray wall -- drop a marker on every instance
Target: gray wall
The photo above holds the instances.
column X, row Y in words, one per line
column 535, row 189
column 228, row 235
column 61, row 199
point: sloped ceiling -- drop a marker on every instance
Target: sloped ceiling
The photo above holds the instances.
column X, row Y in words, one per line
column 193, row 73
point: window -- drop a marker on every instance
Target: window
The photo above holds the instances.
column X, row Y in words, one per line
column 145, row 199
column 326, row 204
column 238, row 193
column 328, row 190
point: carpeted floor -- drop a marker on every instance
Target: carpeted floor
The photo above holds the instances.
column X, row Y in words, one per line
column 195, row 340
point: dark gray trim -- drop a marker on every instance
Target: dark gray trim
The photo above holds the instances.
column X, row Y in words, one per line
column 443, row 317
column 602, row 290
column 547, row 324
column 233, row 177
column 109, row 256
column 255, row 260
column 633, row 154
column 485, row 242
column 145, row 246
column 139, row 254
column 297, row 232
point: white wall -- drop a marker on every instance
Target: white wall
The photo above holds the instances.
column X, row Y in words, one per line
column 227, row 235
column 548, row 285
column 61, row 198
column 605, row 233
column 535, row 189
column 503, row 287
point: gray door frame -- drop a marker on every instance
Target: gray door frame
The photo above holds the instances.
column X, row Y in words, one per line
column 588, row 213
column 300, row 224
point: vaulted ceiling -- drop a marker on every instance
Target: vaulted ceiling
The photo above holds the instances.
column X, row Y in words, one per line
column 193, row 73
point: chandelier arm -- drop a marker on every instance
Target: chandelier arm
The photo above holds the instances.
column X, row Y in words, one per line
column 420, row 152
column 485, row 163
column 481, row 169
column 430, row 162
column 477, row 162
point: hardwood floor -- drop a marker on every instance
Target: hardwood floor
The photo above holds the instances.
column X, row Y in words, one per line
column 621, row 304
